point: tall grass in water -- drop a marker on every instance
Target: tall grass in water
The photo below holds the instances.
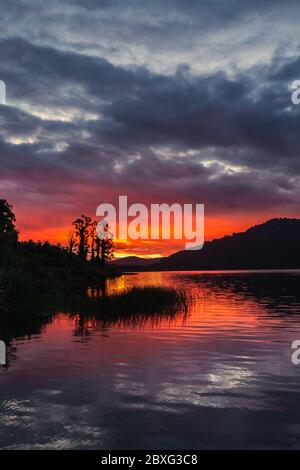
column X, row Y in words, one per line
column 146, row 300
column 142, row 302
column 132, row 307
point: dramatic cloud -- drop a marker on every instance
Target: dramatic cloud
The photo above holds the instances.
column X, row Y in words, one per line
column 162, row 101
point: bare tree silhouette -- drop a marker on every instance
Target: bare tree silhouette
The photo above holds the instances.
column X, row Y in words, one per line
column 82, row 229
column 72, row 240
column 106, row 250
column 94, row 239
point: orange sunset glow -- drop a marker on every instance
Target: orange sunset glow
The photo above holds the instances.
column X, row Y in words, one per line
column 45, row 225
column 149, row 231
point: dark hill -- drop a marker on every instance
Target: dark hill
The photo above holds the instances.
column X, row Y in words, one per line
column 272, row 245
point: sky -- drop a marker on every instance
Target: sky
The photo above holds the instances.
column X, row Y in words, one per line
column 164, row 101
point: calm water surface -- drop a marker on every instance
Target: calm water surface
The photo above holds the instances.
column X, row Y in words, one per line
column 221, row 377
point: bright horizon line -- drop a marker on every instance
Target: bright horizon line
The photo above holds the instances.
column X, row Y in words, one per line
column 58, row 235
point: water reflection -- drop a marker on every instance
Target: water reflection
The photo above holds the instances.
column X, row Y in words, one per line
column 86, row 318
column 101, row 289
column 220, row 377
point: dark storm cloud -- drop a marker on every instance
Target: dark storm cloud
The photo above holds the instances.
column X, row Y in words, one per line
column 227, row 137
column 199, row 111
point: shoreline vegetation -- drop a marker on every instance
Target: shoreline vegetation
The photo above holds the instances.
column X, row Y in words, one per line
column 41, row 277
column 144, row 301
column 31, row 269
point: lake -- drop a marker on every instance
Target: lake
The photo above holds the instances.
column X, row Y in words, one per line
column 220, row 377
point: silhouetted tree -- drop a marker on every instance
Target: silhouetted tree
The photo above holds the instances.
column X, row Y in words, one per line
column 106, row 250
column 94, row 239
column 8, row 232
column 104, row 247
column 72, row 240
column 97, row 248
column 82, row 230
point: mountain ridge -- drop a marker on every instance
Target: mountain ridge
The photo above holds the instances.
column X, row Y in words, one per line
column 273, row 244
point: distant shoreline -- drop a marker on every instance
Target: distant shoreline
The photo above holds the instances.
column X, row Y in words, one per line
column 211, row 271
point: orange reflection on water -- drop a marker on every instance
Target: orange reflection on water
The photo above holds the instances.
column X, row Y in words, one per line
column 212, row 310
column 93, row 381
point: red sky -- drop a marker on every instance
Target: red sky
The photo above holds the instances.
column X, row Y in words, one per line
column 191, row 107
column 43, row 224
